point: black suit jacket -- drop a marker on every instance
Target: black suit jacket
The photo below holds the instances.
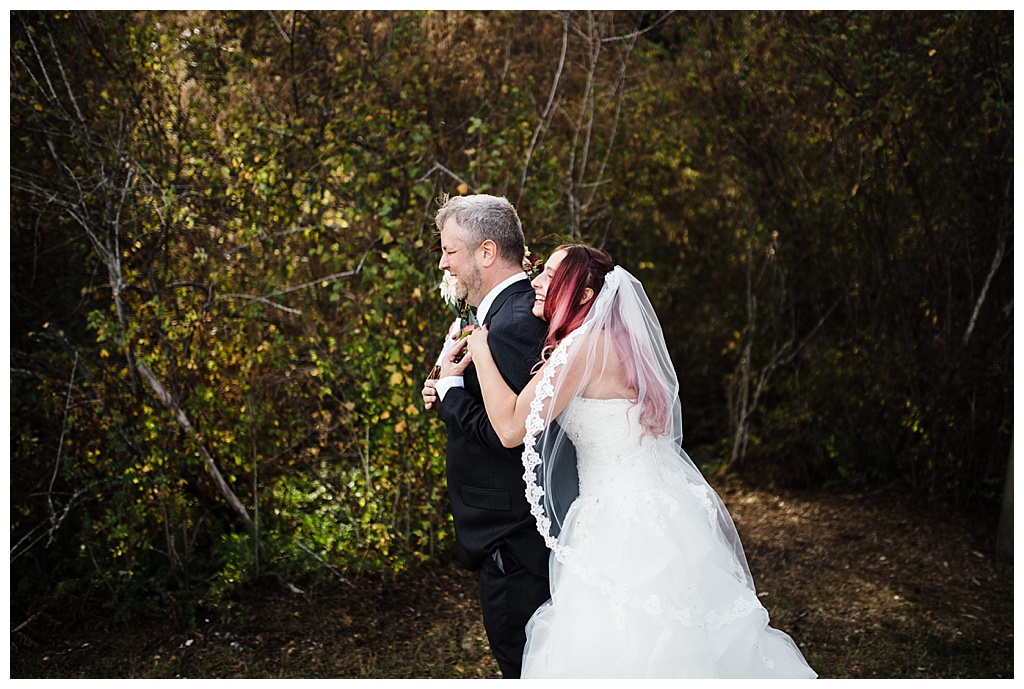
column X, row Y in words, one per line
column 485, row 480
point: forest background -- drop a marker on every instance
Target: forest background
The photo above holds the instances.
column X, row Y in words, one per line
column 224, row 301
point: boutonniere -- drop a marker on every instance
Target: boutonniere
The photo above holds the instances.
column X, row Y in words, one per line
column 462, row 326
column 462, row 310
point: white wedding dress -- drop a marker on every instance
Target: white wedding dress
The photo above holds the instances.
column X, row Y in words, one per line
column 643, row 582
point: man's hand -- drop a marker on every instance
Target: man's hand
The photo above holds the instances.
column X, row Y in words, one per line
column 457, row 360
column 454, row 362
column 429, row 394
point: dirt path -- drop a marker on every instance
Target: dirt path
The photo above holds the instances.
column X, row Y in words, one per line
column 872, row 586
column 867, row 584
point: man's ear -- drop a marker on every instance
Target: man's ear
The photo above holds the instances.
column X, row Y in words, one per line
column 489, row 252
column 588, row 294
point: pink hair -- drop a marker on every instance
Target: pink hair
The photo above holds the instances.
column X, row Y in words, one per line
column 583, row 267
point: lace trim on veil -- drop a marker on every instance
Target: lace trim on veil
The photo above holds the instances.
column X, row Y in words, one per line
column 619, row 595
column 534, row 425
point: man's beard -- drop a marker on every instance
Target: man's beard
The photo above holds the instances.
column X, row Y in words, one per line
column 467, row 283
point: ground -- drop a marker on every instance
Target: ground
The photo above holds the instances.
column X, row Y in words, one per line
column 870, row 585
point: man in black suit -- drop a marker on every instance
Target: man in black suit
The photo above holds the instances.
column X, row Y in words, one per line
column 482, row 246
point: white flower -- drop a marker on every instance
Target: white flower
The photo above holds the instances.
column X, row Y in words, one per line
column 447, row 288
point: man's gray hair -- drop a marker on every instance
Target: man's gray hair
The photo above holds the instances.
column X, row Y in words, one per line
column 482, row 217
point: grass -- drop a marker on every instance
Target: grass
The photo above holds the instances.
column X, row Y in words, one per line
column 868, row 584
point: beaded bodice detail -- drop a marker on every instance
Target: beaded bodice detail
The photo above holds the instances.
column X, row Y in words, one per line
column 612, row 452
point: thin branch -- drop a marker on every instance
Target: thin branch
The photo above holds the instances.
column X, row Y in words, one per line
column 262, row 300
column 183, row 420
column 328, row 278
column 266, row 299
column 590, row 94
column 326, row 564
column 545, row 117
column 60, row 444
column 280, row 28
column 442, row 168
column 20, row 548
column 67, row 85
column 996, row 260
column 619, row 89
column 639, row 32
column 43, row 70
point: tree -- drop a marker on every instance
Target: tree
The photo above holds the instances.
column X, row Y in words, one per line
column 223, row 296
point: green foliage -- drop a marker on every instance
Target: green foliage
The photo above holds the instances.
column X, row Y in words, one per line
column 224, row 303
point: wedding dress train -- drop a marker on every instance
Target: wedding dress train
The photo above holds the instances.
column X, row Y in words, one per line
column 644, row 581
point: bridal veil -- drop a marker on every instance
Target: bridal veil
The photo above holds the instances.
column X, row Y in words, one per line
column 621, row 323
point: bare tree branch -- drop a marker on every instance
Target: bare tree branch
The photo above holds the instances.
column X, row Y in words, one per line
column 545, row 117
column 442, row 168
column 996, row 260
column 620, row 91
column 326, row 564
column 284, row 34
column 262, row 300
column 183, row 421
column 639, row 32
column 60, row 445
column 45, row 529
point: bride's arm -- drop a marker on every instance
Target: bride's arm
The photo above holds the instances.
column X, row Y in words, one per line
column 508, row 417
column 506, row 410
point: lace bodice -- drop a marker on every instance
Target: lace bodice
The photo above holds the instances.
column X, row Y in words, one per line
column 612, row 452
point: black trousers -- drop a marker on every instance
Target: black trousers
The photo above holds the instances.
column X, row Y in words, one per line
column 509, row 595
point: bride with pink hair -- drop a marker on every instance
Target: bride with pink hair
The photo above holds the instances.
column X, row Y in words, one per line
column 648, row 575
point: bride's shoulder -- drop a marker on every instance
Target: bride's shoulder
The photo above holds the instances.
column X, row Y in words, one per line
column 583, row 339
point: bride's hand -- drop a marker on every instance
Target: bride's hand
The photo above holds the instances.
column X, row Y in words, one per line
column 477, row 342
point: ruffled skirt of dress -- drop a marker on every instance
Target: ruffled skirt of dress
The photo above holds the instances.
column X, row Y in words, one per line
column 651, row 589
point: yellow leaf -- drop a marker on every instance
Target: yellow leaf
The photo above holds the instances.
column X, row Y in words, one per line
column 396, row 378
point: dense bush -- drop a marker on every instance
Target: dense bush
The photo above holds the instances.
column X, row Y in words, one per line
column 224, row 300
